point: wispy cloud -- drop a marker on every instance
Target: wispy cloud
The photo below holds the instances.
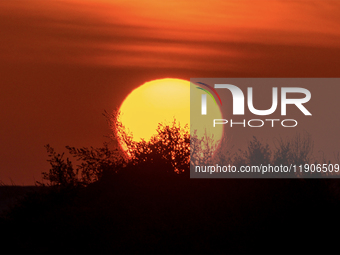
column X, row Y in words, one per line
column 171, row 34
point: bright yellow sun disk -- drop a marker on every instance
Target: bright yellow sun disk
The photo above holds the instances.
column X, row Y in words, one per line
column 160, row 101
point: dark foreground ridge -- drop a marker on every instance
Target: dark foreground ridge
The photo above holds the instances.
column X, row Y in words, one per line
column 158, row 213
column 149, row 204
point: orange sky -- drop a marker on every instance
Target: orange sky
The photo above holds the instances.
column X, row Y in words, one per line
column 64, row 62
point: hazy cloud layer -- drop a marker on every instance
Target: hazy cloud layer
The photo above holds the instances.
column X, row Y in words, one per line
column 170, row 34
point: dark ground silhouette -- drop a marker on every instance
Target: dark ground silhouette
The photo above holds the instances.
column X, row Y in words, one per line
column 144, row 206
column 150, row 214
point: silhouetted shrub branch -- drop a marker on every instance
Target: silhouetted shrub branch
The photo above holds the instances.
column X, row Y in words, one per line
column 169, row 151
column 62, row 172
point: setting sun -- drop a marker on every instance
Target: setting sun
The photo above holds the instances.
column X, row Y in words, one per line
column 162, row 101
column 158, row 101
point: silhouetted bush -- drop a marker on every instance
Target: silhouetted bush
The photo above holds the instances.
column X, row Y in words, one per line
column 167, row 151
column 61, row 172
column 256, row 154
column 297, row 150
column 143, row 201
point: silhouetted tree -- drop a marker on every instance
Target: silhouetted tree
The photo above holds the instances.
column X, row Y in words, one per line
column 168, row 150
column 202, row 149
column 95, row 161
column 256, row 154
column 297, row 150
column 61, row 173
